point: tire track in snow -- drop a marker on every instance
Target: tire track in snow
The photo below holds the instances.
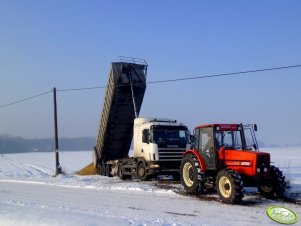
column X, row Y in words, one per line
column 14, row 169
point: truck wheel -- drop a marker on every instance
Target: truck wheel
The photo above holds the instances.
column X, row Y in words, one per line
column 274, row 187
column 191, row 175
column 141, row 172
column 103, row 170
column 229, row 186
column 121, row 175
column 108, row 170
column 100, row 169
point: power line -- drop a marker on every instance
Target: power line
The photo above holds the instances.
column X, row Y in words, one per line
column 226, row 74
column 79, row 89
column 25, row 99
column 160, row 81
column 191, row 78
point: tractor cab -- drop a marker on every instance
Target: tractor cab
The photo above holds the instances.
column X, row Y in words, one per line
column 210, row 139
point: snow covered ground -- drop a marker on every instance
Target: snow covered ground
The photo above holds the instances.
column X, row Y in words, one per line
column 29, row 195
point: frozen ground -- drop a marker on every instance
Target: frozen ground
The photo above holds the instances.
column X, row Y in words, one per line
column 29, row 195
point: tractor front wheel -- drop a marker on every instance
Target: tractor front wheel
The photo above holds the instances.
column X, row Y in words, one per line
column 229, row 186
column 274, row 186
column 191, row 175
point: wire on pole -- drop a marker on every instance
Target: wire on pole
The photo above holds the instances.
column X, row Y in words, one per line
column 25, row 99
column 159, row 81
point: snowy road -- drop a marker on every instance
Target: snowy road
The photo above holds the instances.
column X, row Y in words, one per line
column 34, row 203
column 30, row 196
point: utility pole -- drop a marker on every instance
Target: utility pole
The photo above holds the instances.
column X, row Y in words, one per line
column 58, row 169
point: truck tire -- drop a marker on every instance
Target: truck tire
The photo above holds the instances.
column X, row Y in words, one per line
column 229, row 186
column 141, row 172
column 99, row 169
column 273, row 187
column 108, row 170
column 103, row 170
column 191, row 175
column 121, row 175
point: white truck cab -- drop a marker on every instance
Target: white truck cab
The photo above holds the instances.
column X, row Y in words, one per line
column 161, row 142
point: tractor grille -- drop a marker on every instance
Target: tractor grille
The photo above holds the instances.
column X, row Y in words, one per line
column 263, row 164
column 263, row 160
column 171, row 154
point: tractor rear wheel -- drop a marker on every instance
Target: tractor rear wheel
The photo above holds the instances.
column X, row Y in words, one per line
column 229, row 186
column 191, row 175
column 273, row 187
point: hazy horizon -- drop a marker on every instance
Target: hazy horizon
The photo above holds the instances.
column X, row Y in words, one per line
column 70, row 44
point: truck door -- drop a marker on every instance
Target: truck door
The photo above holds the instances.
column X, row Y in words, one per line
column 145, row 146
column 206, row 147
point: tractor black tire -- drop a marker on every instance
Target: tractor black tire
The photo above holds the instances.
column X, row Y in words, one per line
column 274, row 187
column 141, row 172
column 229, row 186
column 191, row 175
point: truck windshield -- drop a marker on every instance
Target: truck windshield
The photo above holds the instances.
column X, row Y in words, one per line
column 169, row 134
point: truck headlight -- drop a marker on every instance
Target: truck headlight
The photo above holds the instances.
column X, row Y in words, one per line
column 265, row 170
column 154, row 166
column 258, row 170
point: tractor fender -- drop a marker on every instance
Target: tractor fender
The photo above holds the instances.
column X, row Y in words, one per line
column 201, row 160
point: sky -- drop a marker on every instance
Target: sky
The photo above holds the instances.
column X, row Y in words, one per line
column 70, row 44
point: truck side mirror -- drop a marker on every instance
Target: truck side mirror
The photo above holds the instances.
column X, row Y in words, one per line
column 145, row 136
column 191, row 139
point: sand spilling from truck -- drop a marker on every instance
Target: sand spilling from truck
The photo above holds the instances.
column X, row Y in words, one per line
column 88, row 170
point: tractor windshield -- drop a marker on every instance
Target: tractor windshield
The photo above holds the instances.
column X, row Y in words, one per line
column 229, row 139
column 237, row 139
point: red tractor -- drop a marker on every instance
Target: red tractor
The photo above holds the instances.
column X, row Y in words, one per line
column 226, row 157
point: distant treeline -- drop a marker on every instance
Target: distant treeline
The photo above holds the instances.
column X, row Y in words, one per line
column 11, row 144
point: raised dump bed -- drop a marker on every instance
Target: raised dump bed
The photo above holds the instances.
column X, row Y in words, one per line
column 126, row 80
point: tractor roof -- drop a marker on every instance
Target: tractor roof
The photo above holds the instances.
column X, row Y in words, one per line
column 221, row 126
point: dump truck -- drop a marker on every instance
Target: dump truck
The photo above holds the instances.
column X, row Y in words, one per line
column 158, row 143
column 226, row 157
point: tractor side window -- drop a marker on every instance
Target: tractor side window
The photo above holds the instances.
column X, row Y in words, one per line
column 207, row 140
column 196, row 139
column 250, row 139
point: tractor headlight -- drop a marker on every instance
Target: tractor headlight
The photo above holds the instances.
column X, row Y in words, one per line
column 258, row 170
column 265, row 170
